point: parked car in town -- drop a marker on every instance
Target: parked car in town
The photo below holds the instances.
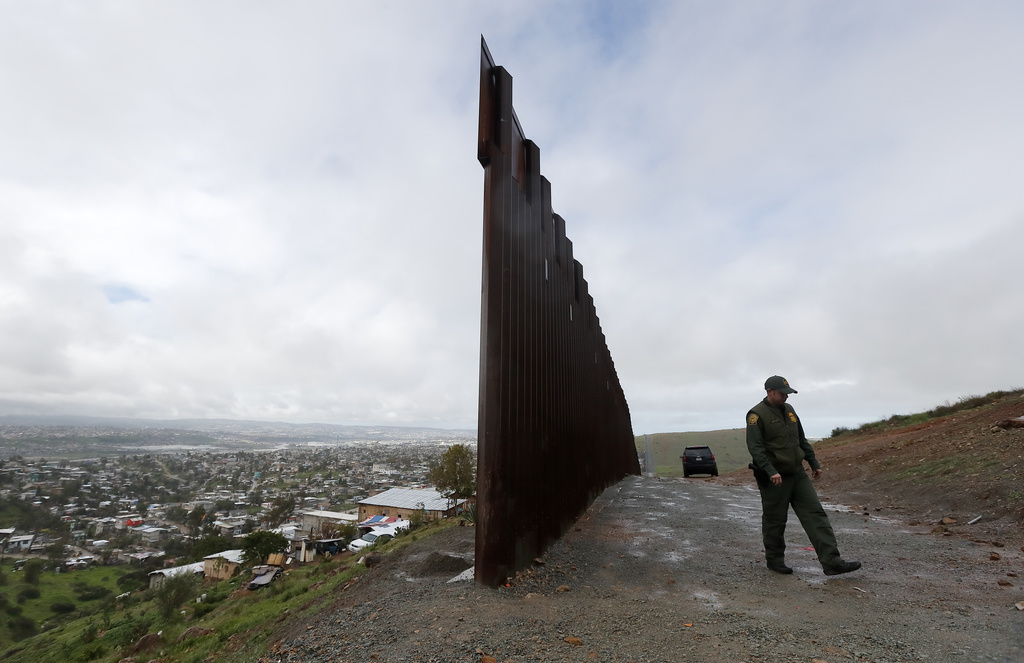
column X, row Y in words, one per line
column 699, row 460
column 376, row 535
column 400, row 525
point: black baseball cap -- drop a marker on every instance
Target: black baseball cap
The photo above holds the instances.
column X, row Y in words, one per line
column 779, row 383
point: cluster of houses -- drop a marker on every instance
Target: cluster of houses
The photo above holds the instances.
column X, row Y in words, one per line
column 219, row 566
column 309, row 532
column 13, row 544
column 103, row 505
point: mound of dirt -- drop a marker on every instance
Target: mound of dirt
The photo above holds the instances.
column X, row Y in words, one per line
column 437, row 564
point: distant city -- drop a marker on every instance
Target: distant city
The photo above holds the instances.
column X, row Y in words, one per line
column 124, row 490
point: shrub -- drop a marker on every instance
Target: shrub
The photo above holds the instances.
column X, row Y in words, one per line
column 128, row 630
column 21, row 627
column 203, row 609
column 218, row 593
column 839, row 430
column 417, row 519
column 28, row 593
column 107, row 611
column 133, row 581
column 326, row 565
column 62, row 607
column 91, row 592
column 966, row 403
column 91, row 652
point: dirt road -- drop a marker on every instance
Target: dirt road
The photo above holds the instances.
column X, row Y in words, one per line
column 671, row 570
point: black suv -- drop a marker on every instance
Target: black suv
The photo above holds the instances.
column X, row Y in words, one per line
column 699, row 460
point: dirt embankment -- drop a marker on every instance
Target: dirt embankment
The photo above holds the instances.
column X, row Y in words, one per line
column 945, row 472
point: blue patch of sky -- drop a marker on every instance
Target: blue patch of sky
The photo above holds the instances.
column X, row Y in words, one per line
column 117, row 294
column 614, row 24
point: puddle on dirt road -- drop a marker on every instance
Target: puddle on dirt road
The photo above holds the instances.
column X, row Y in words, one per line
column 709, row 599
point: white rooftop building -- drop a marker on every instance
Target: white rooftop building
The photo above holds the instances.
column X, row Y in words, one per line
column 403, row 502
column 156, row 578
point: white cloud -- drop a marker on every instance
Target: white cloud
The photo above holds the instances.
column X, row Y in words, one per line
column 273, row 211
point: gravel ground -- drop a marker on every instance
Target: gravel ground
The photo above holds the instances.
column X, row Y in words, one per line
column 671, row 570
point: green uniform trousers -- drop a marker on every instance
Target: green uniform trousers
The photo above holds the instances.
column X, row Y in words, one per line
column 796, row 491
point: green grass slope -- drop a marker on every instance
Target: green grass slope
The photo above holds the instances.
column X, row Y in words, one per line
column 24, row 607
column 729, row 447
column 240, row 624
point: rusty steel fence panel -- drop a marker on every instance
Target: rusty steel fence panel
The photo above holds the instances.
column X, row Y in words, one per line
column 554, row 426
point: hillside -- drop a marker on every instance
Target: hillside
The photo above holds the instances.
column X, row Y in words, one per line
column 952, row 463
column 229, row 624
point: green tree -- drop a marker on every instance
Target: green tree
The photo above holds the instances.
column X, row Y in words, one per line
column 195, row 518
column 280, row 510
column 256, row 547
column 418, row 517
column 176, row 514
column 329, row 530
column 454, row 474
column 55, row 553
column 174, row 591
column 33, row 570
column 71, row 489
column 210, row 544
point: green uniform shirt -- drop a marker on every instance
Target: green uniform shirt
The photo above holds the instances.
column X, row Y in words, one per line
column 776, row 441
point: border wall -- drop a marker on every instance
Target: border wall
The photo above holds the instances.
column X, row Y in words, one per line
column 554, row 426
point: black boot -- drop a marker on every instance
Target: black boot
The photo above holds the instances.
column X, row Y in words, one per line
column 844, row 567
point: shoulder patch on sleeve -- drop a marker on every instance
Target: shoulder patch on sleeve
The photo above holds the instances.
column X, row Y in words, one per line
column 751, row 419
column 792, row 417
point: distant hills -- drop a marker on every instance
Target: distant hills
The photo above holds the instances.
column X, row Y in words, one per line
column 83, row 436
column 202, row 424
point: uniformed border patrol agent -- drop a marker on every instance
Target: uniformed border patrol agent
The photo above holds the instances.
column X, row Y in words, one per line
column 778, row 447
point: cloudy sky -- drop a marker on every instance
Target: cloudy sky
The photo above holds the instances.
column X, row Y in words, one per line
column 269, row 210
